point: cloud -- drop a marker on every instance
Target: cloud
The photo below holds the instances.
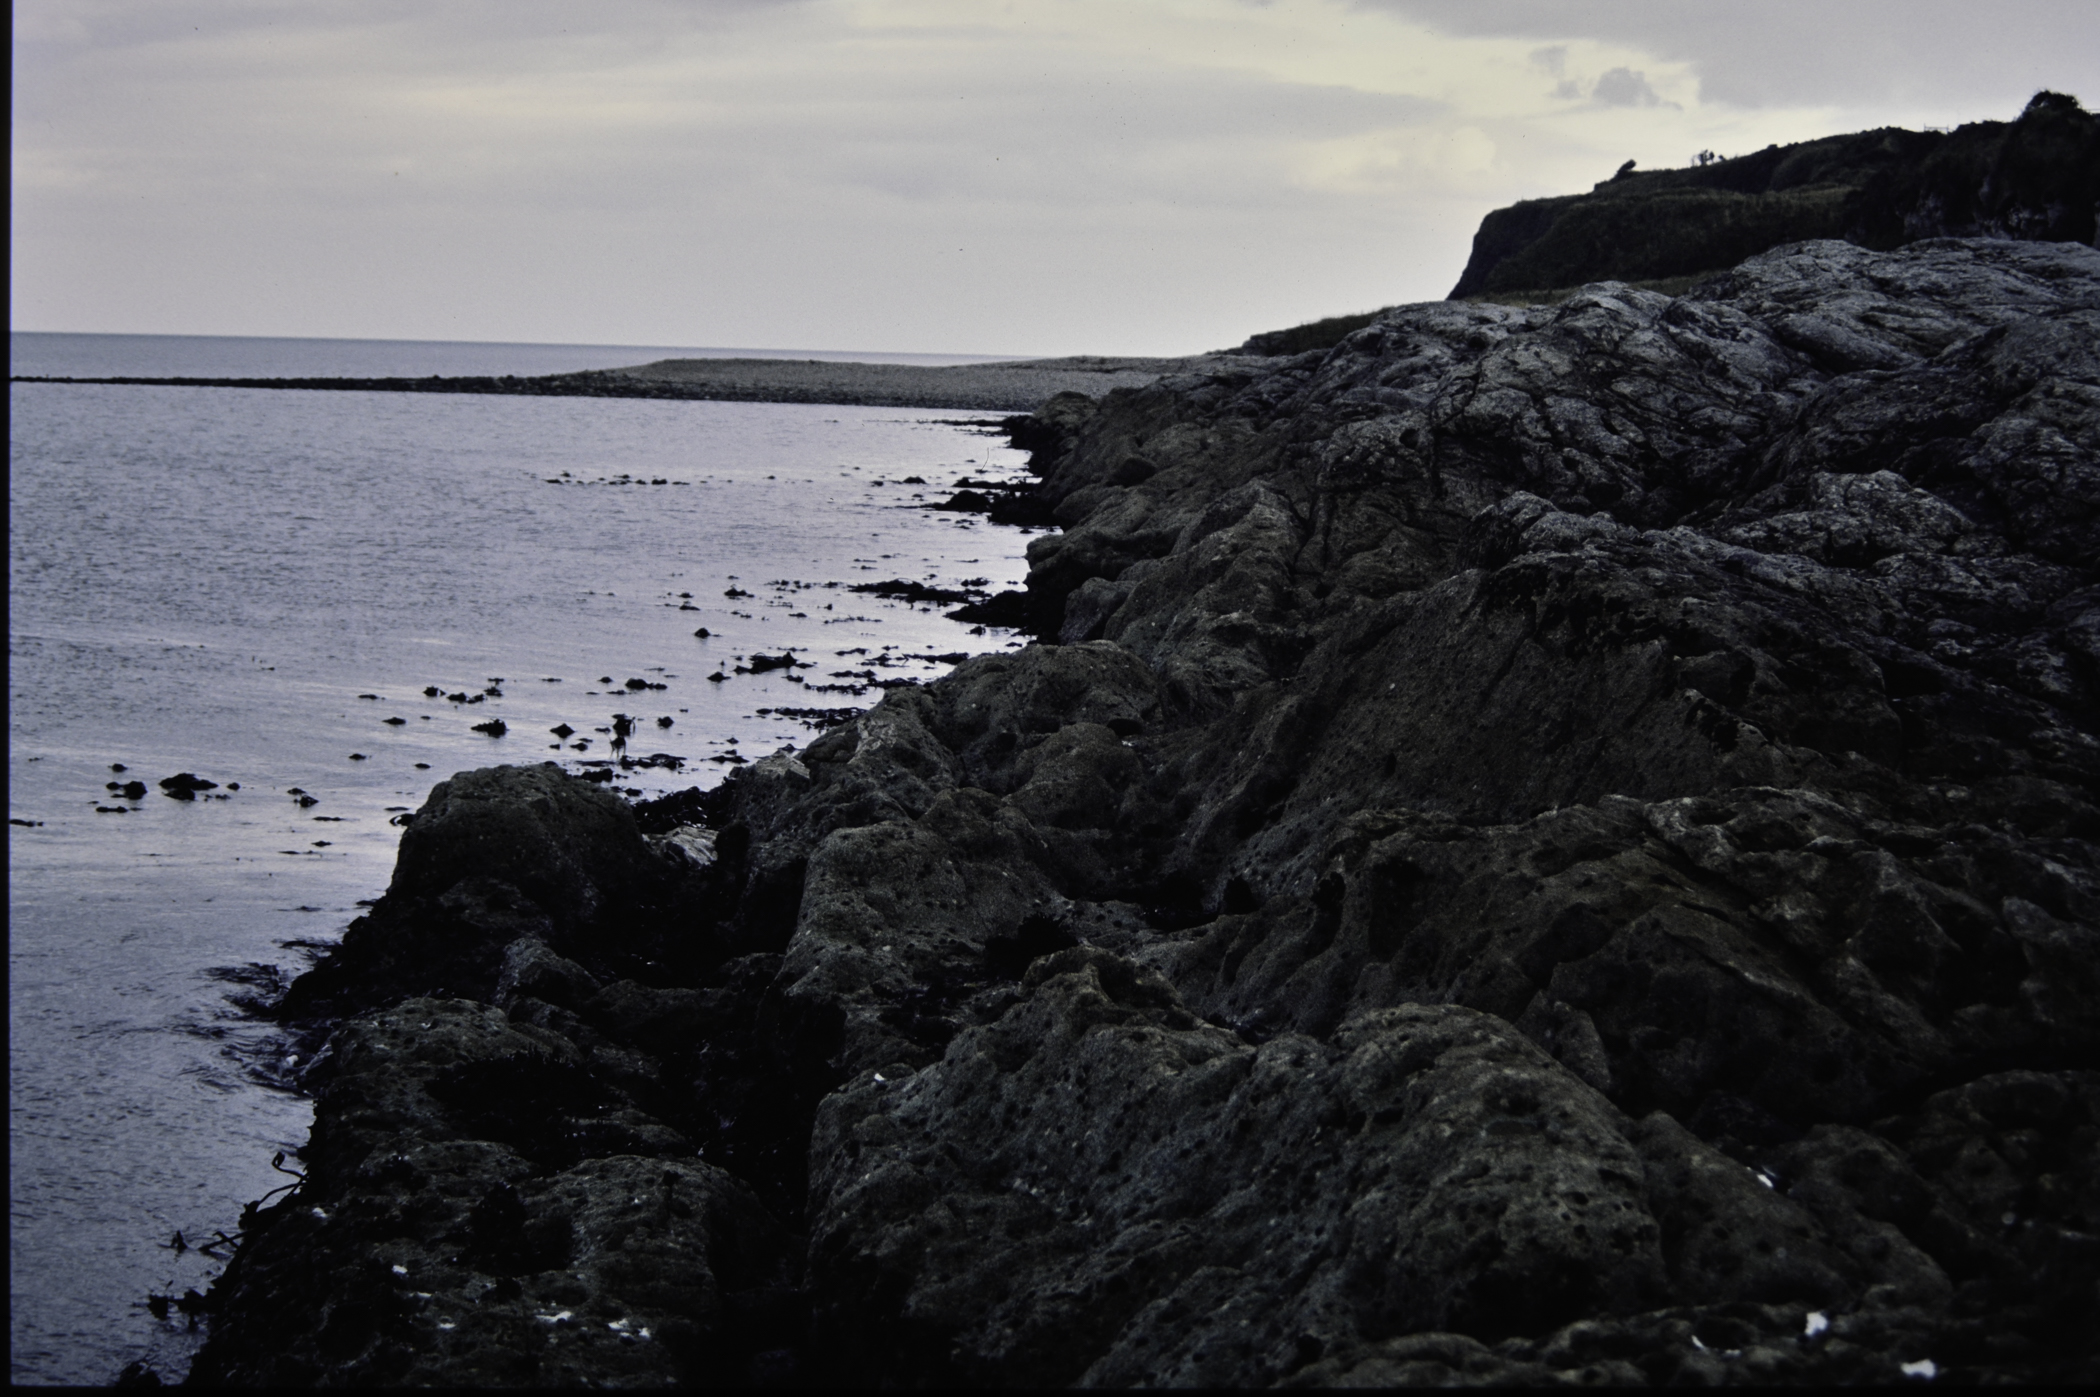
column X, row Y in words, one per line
column 1040, row 175
column 1623, row 87
column 1971, row 60
column 890, row 176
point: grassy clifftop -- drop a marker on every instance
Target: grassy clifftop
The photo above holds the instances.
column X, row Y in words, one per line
column 2033, row 178
column 2036, row 177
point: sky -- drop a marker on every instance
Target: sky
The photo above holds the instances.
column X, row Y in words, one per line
column 938, row 176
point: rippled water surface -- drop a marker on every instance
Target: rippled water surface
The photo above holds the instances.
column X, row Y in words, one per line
column 247, row 586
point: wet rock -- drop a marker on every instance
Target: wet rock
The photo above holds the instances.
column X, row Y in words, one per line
column 914, row 592
column 691, row 806
column 1006, row 609
column 564, row 845
column 184, row 785
column 492, row 856
column 456, row 1246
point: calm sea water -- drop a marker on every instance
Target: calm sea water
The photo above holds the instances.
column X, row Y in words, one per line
column 247, row 586
column 231, row 356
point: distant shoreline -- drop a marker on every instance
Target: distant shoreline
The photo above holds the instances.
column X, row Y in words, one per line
column 1012, row 386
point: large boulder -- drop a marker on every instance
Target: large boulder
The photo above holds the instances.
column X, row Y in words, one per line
column 570, row 847
column 498, row 856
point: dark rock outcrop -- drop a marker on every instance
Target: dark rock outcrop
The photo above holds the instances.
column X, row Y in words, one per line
column 496, row 855
column 1559, row 846
column 485, row 1208
column 2035, row 177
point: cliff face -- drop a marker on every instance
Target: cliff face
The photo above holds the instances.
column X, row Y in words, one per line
column 1552, row 844
column 2037, row 177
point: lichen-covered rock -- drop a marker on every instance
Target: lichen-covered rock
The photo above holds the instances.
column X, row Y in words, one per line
column 1100, row 1188
column 1068, row 1192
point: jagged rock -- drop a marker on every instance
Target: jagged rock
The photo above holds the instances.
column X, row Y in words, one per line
column 425, row 1247
column 1191, row 1209
column 692, row 844
column 1099, row 1188
column 531, row 970
column 1561, row 849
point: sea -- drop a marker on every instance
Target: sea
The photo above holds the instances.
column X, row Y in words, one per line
column 320, row 603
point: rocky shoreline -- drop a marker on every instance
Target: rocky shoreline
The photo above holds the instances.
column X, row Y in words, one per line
column 1545, row 845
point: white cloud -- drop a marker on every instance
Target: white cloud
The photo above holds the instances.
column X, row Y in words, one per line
column 1971, row 60
column 1032, row 176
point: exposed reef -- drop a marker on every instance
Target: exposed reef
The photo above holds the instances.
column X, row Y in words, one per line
column 1539, row 845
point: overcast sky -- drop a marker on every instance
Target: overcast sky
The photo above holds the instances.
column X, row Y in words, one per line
column 968, row 176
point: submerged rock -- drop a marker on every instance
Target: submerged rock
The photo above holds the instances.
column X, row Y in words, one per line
column 1558, row 845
